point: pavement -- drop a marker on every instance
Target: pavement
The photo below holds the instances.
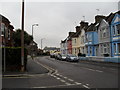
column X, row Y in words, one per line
column 31, row 69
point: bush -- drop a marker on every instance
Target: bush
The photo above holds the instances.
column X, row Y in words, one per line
column 13, row 58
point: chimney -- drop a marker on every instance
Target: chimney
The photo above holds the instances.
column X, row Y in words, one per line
column 71, row 33
column 98, row 18
column 83, row 24
column 77, row 28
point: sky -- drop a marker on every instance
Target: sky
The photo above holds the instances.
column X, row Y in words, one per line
column 55, row 19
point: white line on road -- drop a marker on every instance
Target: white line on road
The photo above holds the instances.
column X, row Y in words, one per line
column 68, row 84
column 78, row 83
column 57, row 78
column 62, row 80
column 86, row 86
column 98, row 71
column 65, row 77
column 70, row 80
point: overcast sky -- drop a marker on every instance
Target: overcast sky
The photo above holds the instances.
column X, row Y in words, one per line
column 55, row 19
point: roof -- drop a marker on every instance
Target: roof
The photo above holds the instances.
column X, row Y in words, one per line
column 4, row 19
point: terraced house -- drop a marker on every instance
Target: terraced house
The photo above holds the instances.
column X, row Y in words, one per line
column 82, row 36
column 91, row 37
column 115, row 35
column 104, row 36
column 69, row 42
column 75, row 42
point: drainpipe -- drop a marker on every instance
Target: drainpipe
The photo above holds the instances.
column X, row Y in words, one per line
column 110, row 26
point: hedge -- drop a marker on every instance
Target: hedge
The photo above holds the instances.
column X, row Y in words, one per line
column 13, row 58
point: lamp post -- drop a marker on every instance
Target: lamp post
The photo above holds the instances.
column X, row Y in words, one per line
column 33, row 38
column 41, row 42
column 22, row 39
column 32, row 28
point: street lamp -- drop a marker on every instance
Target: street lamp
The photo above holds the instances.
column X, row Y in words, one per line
column 32, row 28
column 41, row 42
column 33, row 38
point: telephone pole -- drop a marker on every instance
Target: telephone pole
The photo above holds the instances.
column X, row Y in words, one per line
column 22, row 39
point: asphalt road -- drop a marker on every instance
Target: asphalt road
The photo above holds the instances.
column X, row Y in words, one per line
column 62, row 74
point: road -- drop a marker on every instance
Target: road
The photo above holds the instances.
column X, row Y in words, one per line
column 62, row 74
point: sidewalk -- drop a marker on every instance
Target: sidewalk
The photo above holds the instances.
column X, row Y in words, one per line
column 32, row 68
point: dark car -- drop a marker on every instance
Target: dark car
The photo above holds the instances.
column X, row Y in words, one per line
column 72, row 58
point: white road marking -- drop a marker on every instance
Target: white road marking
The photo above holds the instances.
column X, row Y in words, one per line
column 78, row 83
column 57, row 74
column 85, row 86
column 57, row 78
column 70, row 80
column 54, row 76
column 68, row 84
column 60, row 75
column 65, row 77
column 62, row 80
column 98, row 71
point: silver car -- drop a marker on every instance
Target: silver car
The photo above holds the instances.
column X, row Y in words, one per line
column 72, row 58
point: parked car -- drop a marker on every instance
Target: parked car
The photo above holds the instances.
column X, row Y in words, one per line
column 58, row 56
column 63, row 57
column 52, row 55
column 72, row 58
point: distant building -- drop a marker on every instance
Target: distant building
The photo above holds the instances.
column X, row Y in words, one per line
column 6, row 32
column 51, row 49
column 64, row 47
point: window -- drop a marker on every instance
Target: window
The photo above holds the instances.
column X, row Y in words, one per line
column 108, row 48
column 104, row 32
column 114, row 48
column 75, row 40
column 105, row 48
column 90, row 50
column 113, row 30
column 118, row 29
column 90, row 37
column 101, row 49
column 2, row 28
column 86, row 37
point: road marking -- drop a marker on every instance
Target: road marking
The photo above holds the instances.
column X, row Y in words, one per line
column 57, row 78
column 55, row 86
column 57, row 74
column 54, row 76
column 98, row 71
column 91, row 69
column 70, row 80
column 62, row 80
column 65, row 77
column 78, row 83
column 68, row 84
column 60, row 75
column 86, row 86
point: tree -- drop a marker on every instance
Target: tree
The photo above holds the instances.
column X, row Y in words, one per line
column 17, row 38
